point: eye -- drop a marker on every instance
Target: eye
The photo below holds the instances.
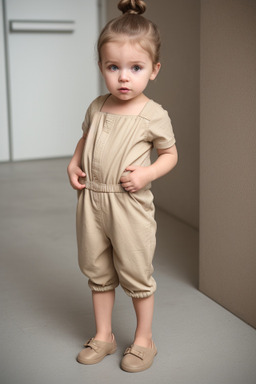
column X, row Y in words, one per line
column 113, row 67
column 136, row 68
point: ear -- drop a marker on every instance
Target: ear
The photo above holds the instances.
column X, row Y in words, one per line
column 156, row 69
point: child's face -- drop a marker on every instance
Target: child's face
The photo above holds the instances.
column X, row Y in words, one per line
column 127, row 69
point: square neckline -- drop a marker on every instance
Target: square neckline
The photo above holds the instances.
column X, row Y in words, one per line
column 119, row 114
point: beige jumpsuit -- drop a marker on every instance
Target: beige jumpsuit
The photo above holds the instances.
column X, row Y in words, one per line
column 116, row 229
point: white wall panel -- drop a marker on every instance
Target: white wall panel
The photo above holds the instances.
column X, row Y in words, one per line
column 4, row 135
column 53, row 75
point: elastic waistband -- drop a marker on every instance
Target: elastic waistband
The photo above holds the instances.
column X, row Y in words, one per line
column 100, row 187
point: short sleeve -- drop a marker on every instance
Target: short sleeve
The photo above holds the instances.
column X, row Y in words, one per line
column 160, row 130
column 87, row 121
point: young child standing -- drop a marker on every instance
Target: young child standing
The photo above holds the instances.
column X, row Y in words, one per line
column 112, row 171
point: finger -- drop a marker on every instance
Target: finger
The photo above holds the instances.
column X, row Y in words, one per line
column 124, row 179
column 81, row 186
column 126, row 185
column 130, row 189
column 81, row 173
column 76, row 185
column 131, row 168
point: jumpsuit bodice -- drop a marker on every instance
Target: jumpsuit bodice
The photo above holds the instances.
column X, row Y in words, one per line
column 115, row 142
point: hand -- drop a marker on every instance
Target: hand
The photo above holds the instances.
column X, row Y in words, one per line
column 74, row 172
column 137, row 179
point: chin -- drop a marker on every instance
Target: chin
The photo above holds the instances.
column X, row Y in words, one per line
column 124, row 97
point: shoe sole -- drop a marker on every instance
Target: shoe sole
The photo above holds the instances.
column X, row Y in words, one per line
column 95, row 361
column 139, row 369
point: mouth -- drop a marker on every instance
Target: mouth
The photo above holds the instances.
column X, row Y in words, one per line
column 123, row 90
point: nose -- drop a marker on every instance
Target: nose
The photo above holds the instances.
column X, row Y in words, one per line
column 123, row 76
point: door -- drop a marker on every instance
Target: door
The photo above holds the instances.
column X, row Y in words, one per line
column 53, row 74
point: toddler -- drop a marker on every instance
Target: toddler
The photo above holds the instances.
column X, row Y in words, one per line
column 112, row 172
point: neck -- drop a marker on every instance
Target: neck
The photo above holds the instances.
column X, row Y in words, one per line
column 132, row 106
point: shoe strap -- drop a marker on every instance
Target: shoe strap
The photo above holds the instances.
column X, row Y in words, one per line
column 91, row 344
column 134, row 352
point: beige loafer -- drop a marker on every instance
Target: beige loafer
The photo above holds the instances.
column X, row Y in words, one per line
column 137, row 359
column 95, row 351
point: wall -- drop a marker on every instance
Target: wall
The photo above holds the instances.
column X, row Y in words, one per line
column 222, row 48
column 4, row 135
column 228, row 155
column 52, row 75
column 177, row 89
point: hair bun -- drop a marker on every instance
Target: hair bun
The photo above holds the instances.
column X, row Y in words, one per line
column 135, row 7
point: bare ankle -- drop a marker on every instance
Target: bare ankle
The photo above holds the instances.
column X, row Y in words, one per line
column 143, row 341
column 104, row 336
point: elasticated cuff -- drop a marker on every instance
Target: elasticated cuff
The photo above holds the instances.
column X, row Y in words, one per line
column 141, row 295
column 102, row 288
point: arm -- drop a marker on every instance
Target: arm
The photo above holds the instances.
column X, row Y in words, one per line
column 74, row 168
column 141, row 176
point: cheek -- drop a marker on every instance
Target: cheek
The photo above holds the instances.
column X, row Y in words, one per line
column 106, row 77
column 144, row 80
column 109, row 76
column 109, row 81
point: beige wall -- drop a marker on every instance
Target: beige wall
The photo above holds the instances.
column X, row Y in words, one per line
column 223, row 47
column 228, row 155
column 224, row 51
column 177, row 89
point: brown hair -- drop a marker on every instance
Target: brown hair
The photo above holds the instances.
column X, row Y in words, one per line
column 135, row 27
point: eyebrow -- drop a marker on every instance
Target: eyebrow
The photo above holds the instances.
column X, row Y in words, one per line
column 130, row 62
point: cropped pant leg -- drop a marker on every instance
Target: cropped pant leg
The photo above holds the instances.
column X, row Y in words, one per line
column 116, row 241
column 95, row 251
column 132, row 230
